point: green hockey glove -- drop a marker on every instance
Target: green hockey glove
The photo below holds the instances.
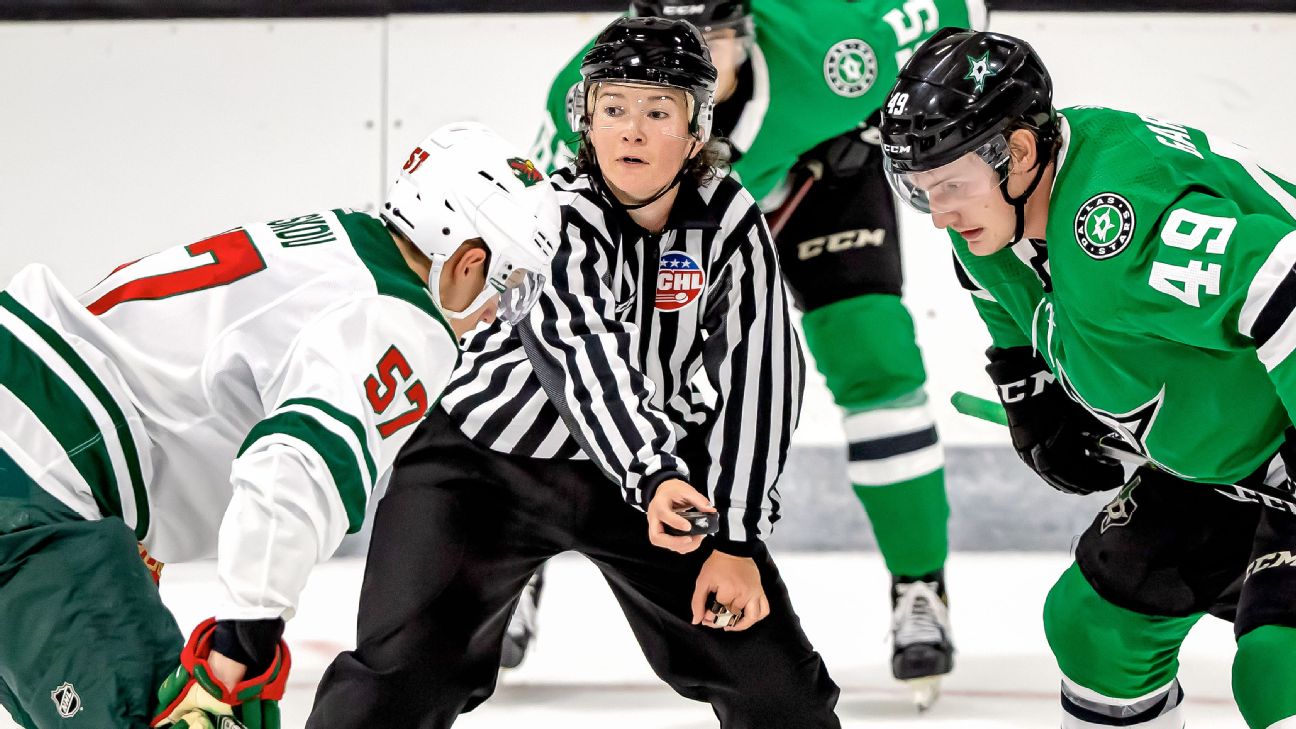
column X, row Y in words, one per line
column 192, row 697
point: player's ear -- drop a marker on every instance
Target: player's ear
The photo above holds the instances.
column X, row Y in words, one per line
column 1024, row 149
column 471, row 258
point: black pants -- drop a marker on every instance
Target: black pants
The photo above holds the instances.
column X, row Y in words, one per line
column 1173, row 548
column 455, row 539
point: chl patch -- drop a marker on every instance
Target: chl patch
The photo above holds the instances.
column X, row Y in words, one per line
column 680, row 281
column 850, row 67
column 1104, row 225
column 66, row 700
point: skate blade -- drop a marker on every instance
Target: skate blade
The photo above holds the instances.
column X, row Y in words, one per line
column 925, row 691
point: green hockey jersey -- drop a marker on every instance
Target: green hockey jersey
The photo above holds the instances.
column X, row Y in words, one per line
column 819, row 68
column 1163, row 298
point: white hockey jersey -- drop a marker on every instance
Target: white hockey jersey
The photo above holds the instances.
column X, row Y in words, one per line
column 301, row 351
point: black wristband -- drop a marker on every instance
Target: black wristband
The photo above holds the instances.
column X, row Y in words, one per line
column 736, row 549
column 250, row 642
column 648, row 485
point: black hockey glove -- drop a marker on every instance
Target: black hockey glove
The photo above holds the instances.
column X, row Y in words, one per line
column 845, row 155
column 1052, row 433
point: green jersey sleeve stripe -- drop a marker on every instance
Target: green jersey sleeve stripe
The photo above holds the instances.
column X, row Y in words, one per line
column 331, row 447
column 72, row 424
column 59, row 409
column 392, row 275
column 351, row 422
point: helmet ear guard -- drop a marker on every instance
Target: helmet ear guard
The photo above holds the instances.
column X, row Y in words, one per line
column 701, row 118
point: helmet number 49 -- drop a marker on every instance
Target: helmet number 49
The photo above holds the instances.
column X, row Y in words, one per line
column 897, row 104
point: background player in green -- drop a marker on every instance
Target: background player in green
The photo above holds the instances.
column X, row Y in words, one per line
column 1145, row 270
column 797, row 97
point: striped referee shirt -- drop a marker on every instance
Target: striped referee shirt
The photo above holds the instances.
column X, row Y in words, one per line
column 641, row 341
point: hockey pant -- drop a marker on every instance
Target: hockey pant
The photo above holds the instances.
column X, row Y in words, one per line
column 840, row 253
column 85, row 639
column 1154, row 562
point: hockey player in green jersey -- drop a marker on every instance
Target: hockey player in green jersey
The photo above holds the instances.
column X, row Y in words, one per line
column 797, row 97
column 235, row 398
column 1137, row 277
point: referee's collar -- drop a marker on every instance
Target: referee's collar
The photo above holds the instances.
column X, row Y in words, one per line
column 690, row 210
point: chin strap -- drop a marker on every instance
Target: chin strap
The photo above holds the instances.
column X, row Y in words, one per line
column 434, row 288
column 1019, row 202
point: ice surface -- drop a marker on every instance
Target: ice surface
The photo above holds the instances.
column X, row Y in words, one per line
column 585, row 670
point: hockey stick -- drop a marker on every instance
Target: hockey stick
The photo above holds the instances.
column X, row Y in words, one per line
column 1270, row 496
column 784, row 212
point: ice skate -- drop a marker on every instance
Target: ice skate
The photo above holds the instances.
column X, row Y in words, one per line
column 920, row 631
column 522, row 626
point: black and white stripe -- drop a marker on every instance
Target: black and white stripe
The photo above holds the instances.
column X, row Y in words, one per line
column 598, row 372
column 1266, row 314
column 1086, row 709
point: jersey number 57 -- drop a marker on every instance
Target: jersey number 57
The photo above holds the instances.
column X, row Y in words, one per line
column 382, row 388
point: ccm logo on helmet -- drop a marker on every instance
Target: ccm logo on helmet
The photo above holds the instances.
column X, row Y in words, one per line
column 680, row 281
column 896, row 148
column 683, row 9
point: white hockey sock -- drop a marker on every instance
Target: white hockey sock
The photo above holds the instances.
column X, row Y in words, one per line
column 1083, row 708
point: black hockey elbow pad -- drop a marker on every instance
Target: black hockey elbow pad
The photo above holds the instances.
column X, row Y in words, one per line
column 1052, row 433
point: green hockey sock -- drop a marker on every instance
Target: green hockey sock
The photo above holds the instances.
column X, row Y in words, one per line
column 1264, row 675
column 1108, row 649
column 909, row 520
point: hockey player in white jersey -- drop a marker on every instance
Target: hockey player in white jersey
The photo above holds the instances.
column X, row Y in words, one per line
column 237, row 397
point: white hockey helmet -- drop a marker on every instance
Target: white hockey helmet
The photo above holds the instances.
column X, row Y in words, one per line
column 462, row 182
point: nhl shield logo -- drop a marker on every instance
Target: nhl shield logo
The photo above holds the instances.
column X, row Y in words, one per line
column 66, row 700
column 1104, row 225
column 680, row 281
column 850, row 67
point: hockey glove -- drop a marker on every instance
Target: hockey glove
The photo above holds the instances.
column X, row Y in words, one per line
column 192, row 697
column 152, row 565
column 1052, row 433
column 845, row 155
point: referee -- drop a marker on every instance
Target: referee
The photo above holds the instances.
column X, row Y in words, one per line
column 666, row 277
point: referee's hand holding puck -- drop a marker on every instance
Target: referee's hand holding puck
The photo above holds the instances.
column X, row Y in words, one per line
column 728, row 593
column 671, row 496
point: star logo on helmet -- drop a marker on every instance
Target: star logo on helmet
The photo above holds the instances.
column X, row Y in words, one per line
column 979, row 69
column 525, row 170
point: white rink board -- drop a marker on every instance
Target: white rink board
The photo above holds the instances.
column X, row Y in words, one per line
column 122, row 137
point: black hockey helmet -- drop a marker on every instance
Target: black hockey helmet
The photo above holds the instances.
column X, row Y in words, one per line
column 959, row 90
column 961, row 93
column 707, row 15
column 656, row 52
